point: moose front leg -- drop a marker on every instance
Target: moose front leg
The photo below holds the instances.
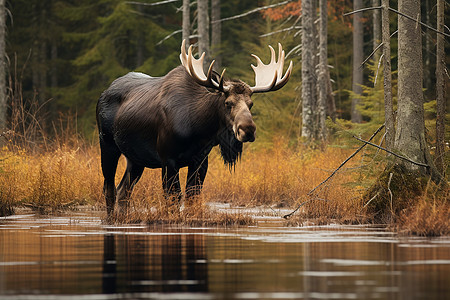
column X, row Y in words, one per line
column 195, row 177
column 172, row 188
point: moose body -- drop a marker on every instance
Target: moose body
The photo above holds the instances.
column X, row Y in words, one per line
column 172, row 122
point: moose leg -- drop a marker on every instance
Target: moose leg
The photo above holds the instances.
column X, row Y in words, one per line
column 130, row 178
column 195, row 177
column 171, row 186
column 109, row 159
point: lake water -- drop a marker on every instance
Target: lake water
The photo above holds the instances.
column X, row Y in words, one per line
column 79, row 257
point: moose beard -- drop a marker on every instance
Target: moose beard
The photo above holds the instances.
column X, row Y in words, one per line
column 230, row 147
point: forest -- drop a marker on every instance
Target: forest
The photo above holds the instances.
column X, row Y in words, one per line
column 373, row 80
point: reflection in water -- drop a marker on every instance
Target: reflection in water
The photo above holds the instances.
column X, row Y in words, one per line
column 162, row 263
column 109, row 272
column 42, row 259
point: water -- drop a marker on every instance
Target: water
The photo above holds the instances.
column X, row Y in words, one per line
column 78, row 257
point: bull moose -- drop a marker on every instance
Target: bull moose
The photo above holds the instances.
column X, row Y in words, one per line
column 174, row 121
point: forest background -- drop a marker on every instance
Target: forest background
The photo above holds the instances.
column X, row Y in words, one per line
column 62, row 54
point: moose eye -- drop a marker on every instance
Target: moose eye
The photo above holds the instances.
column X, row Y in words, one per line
column 229, row 105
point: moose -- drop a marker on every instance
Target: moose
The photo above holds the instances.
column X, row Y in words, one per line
column 174, row 121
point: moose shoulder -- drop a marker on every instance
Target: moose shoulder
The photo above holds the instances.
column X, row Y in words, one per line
column 174, row 121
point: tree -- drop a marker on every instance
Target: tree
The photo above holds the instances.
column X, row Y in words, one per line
column 323, row 66
column 216, row 32
column 203, row 28
column 3, row 99
column 410, row 132
column 357, row 79
column 308, row 72
column 388, row 107
column 376, row 28
column 440, row 90
column 186, row 26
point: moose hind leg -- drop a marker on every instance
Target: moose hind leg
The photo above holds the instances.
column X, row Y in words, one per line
column 109, row 159
column 130, row 178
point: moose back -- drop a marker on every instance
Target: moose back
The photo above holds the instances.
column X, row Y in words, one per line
column 174, row 121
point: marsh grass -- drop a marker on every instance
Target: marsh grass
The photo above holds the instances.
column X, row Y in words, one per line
column 68, row 174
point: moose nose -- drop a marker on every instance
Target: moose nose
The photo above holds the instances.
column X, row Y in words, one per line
column 246, row 132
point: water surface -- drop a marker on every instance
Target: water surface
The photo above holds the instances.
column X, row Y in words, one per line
column 78, row 257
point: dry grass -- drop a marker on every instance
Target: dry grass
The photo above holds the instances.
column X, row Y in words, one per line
column 277, row 176
column 429, row 216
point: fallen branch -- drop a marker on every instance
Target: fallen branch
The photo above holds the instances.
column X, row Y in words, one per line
column 390, row 152
column 334, row 172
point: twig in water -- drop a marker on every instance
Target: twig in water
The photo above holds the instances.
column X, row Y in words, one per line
column 334, row 172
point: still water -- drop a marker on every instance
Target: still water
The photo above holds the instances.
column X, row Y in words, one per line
column 79, row 257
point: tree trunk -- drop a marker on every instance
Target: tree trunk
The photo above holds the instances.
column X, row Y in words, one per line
column 308, row 72
column 410, row 133
column 203, row 28
column 3, row 99
column 440, row 90
column 357, row 79
column 323, row 65
column 216, row 34
column 428, row 49
column 331, row 103
column 186, row 22
column 376, row 29
column 389, row 118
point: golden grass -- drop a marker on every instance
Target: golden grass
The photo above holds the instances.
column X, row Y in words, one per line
column 276, row 176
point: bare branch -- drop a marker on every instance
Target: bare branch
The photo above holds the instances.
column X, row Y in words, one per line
column 151, row 4
column 390, row 152
column 375, row 50
column 252, row 11
column 401, row 14
column 280, row 31
column 361, row 10
column 421, row 23
column 169, row 36
column 335, row 171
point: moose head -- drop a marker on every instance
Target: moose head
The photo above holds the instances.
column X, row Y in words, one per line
column 237, row 94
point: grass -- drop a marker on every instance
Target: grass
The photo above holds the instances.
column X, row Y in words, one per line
column 68, row 175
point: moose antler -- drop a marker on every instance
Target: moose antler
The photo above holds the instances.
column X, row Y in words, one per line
column 195, row 68
column 269, row 77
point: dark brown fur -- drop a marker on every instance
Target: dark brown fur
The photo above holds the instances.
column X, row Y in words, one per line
column 169, row 122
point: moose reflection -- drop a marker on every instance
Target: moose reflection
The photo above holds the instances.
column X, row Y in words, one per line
column 162, row 263
column 174, row 121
